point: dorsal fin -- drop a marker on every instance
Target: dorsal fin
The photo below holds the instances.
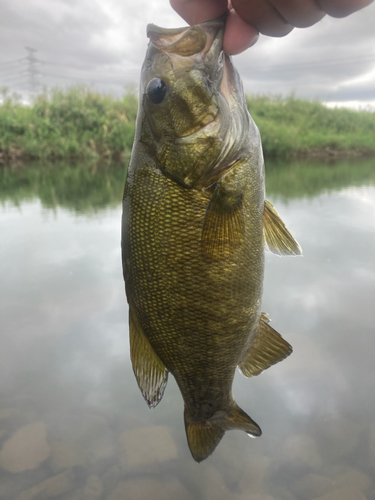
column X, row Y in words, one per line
column 267, row 349
column 278, row 238
column 149, row 370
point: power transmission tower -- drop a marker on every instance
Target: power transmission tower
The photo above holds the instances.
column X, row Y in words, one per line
column 33, row 72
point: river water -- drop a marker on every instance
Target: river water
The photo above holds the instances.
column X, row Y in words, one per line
column 73, row 424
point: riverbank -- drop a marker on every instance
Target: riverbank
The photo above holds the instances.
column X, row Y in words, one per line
column 76, row 123
column 299, row 128
column 80, row 123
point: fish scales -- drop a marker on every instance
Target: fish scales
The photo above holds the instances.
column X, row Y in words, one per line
column 193, row 238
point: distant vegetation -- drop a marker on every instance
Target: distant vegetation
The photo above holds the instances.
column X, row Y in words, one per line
column 73, row 123
column 296, row 127
column 82, row 123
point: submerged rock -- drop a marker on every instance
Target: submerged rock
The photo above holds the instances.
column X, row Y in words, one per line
column 80, row 440
column 26, row 449
column 314, row 486
column 300, row 452
column 143, row 488
column 311, row 485
column 52, row 487
column 7, row 413
column 213, row 487
column 336, row 437
column 372, row 445
column 342, row 494
column 147, row 445
column 66, row 454
column 352, row 479
column 254, row 478
column 93, row 489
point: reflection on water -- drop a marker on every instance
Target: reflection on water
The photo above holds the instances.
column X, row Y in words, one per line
column 73, row 424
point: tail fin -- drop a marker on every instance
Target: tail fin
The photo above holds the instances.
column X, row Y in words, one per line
column 204, row 436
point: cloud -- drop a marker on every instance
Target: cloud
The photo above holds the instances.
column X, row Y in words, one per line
column 103, row 42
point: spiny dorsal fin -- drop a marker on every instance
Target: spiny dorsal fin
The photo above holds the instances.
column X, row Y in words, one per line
column 149, row 370
column 278, row 238
column 267, row 349
column 223, row 224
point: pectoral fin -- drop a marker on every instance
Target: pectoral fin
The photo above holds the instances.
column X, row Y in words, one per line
column 149, row 370
column 267, row 349
column 223, row 227
column 278, row 238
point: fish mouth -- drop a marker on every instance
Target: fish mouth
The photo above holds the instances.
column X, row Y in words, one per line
column 204, row 39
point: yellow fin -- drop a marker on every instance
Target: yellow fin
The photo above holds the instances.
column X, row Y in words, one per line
column 204, row 436
column 278, row 238
column 149, row 370
column 223, row 227
column 267, row 349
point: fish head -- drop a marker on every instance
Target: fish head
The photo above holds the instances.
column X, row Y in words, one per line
column 194, row 115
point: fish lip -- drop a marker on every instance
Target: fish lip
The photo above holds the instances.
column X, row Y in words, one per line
column 213, row 23
column 206, row 37
column 227, row 78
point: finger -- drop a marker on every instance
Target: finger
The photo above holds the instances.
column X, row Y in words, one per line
column 342, row 8
column 263, row 16
column 239, row 35
column 199, row 11
column 299, row 13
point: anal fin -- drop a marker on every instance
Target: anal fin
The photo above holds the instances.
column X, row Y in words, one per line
column 149, row 370
column 278, row 238
column 267, row 349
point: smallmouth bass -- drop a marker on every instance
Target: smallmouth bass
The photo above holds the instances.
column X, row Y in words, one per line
column 195, row 224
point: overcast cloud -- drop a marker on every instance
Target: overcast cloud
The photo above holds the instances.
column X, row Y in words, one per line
column 103, row 42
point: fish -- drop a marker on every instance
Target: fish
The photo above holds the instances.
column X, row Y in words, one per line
column 195, row 226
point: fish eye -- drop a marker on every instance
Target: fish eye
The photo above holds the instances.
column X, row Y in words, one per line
column 156, row 90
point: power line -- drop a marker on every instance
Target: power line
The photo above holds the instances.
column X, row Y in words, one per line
column 72, row 79
column 271, row 68
column 25, row 82
column 13, row 73
column 48, row 63
column 12, row 62
column 11, row 70
column 14, row 77
column 32, row 60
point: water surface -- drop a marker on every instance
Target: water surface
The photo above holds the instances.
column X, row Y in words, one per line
column 73, row 424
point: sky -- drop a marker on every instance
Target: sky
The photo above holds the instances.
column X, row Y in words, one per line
column 103, row 42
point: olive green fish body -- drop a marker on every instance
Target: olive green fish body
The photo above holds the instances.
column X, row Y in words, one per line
column 195, row 222
column 198, row 313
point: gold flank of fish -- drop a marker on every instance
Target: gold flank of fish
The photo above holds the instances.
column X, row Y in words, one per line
column 195, row 224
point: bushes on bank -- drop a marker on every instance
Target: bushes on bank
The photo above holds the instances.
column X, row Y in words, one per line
column 79, row 122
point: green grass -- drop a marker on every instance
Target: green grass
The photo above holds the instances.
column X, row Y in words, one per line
column 296, row 127
column 82, row 123
column 73, row 123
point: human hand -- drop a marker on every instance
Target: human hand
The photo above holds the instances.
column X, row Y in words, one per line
column 247, row 18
